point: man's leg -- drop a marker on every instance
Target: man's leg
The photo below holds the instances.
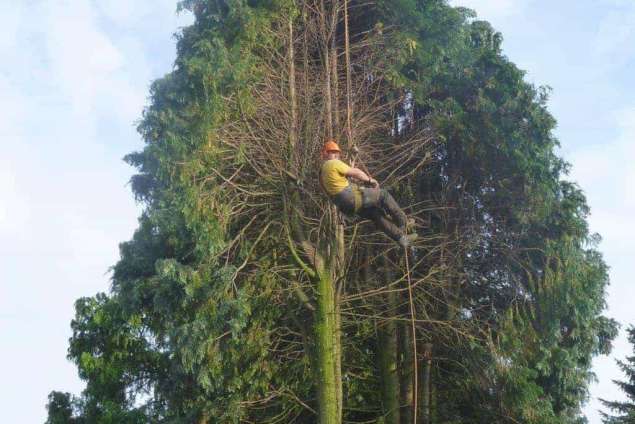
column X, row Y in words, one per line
column 390, row 204
column 380, row 198
column 376, row 215
column 399, row 217
column 375, row 203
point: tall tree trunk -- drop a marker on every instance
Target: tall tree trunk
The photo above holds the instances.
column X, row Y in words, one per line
column 433, row 402
column 349, row 107
column 293, row 130
column 339, row 248
column 326, row 353
column 325, row 350
column 338, row 358
column 328, row 102
column 413, row 346
column 426, row 384
column 387, row 354
column 334, row 70
column 406, row 377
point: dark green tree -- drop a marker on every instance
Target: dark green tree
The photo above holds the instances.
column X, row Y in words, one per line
column 625, row 411
column 60, row 409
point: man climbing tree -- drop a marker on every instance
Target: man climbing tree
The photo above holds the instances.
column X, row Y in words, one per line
column 366, row 202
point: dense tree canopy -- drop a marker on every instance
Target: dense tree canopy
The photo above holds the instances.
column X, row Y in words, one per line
column 243, row 296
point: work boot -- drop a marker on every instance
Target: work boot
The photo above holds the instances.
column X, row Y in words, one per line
column 407, row 239
column 412, row 254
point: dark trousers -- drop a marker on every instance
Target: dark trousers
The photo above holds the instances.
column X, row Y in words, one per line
column 374, row 204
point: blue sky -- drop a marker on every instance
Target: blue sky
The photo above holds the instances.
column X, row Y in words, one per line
column 74, row 78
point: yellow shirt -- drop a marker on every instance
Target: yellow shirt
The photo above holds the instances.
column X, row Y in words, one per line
column 333, row 176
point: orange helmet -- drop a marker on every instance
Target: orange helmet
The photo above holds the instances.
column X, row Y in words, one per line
column 331, row 146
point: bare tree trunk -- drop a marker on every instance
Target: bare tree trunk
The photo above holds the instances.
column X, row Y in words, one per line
column 334, row 67
column 415, row 359
column 328, row 101
column 305, row 62
column 406, row 377
column 426, row 384
column 349, row 107
column 433, row 403
column 327, row 347
column 338, row 263
column 387, row 354
column 338, row 357
column 325, row 350
column 293, row 132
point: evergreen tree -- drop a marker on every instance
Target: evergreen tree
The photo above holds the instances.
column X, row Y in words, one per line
column 60, row 409
column 242, row 296
column 625, row 410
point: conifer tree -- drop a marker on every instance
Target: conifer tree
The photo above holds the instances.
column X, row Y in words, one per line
column 625, row 411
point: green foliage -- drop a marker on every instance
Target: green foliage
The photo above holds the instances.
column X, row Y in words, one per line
column 625, row 411
column 61, row 409
column 535, row 259
column 182, row 337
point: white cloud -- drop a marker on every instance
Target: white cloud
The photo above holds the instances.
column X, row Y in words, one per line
column 626, row 122
column 124, row 12
column 614, row 41
column 605, row 172
column 492, row 10
column 81, row 58
column 135, row 13
column 12, row 110
column 14, row 209
column 12, row 13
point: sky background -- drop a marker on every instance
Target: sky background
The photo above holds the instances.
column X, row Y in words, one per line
column 74, row 77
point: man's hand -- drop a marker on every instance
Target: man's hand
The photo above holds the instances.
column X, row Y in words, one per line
column 360, row 175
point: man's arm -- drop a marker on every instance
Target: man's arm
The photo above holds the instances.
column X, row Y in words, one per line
column 360, row 175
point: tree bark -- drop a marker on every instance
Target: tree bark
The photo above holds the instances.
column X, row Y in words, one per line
column 387, row 354
column 349, row 108
column 406, row 377
column 426, row 384
column 325, row 351
column 338, row 358
column 293, row 131
column 327, row 70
